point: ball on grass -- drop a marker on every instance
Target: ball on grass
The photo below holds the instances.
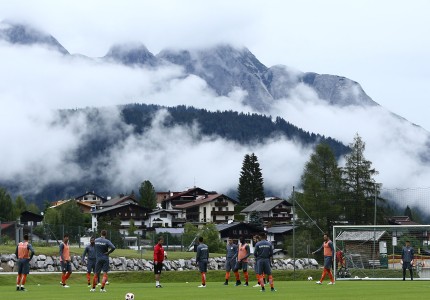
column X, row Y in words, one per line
column 129, row 296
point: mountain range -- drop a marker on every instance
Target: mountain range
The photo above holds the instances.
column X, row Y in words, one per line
column 224, row 69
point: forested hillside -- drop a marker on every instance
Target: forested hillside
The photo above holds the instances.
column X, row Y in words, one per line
column 229, row 125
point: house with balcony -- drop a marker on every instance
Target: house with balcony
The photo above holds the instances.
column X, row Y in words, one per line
column 125, row 212
column 272, row 211
column 208, row 208
column 91, row 198
column 165, row 218
column 173, row 199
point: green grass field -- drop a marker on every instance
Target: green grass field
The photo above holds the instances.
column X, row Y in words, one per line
column 47, row 287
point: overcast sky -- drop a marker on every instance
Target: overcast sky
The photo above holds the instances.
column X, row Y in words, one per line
column 383, row 45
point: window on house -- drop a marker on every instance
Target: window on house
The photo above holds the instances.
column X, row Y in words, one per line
column 163, row 215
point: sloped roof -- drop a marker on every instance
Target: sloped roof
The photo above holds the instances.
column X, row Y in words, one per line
column 401, row 220
column 118, row 200
column 224, row 226
column 4, row 226
column 169, row 211
column 264, row 205
column 188, row 192
column 203, row 199
column 280, row 229
column 110, row 208
column 31, row 215
column 360, row 236
column 90, row 193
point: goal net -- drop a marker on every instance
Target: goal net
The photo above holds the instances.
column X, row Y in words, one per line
column 374, row 252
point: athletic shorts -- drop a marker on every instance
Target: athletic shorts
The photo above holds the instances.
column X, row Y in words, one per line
column 256, row 266
column 23, row 266
column 328, row 262
column 203, row 266
column 264, row 266
column 91, row 266
column 66, row 266
column 158, row 268
column 241, row 265
column 229, row 264
column 102, row 265
column 407, row 265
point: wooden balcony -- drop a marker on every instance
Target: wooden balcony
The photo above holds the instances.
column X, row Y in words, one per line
column 222, row 213
column 221, row 204
column 281, row 210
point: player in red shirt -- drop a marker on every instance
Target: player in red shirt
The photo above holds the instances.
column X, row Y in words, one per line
column 158, row 261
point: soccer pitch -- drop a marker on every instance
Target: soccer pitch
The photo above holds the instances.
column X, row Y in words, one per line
column 216, row 290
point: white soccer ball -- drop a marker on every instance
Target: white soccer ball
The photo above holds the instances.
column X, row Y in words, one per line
column 310, row 278
column 129, row 296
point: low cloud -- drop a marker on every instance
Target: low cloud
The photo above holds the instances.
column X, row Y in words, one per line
column 41, row 147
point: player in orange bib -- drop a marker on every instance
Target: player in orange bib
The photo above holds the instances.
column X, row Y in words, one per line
column 328, row 258
column 66, row 265
column 24, row 253
column 242, row 261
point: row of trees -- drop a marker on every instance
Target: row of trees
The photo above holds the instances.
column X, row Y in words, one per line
column 11, row 209
column 329, row 192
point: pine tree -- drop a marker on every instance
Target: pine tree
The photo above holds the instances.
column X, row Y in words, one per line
column 6, row 206
column 360, row 184
column 251, row 186
column 322, row 187
column 148, row 197
column 20, row 206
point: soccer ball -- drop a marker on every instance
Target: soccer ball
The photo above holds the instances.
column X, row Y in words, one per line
column 129, row 296
column 310, row 278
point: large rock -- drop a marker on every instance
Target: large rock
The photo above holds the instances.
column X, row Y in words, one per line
column 117, row 261
column 11, row 264
column 5, row 257
column 49, row 261
column 50, row 268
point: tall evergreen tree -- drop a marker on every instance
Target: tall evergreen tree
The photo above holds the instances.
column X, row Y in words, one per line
column 148, row 197
column 33, row 208
column 322, row 187
column 20, row 206
column 408, row 212
column 251, row 181
column 6, row 206
column 360, row 184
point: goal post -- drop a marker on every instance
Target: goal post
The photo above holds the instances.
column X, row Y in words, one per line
column 373, row 252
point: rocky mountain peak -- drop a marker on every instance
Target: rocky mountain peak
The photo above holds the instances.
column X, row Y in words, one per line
column 131, row 54
column 26, row 35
